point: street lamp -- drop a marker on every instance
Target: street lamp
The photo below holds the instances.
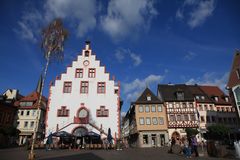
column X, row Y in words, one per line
column 53, row 37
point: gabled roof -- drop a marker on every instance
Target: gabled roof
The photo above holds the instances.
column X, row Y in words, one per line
column 233, row 77
column 33, row 97
column 214, row 91
column 168, row 92
column 143, row 98
column 196, row 91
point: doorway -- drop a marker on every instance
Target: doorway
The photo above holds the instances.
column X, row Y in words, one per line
column 154, row 138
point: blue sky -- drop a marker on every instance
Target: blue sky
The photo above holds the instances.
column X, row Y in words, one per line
column 141, row 42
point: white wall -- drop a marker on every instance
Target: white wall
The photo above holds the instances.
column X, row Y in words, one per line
column 92, row 100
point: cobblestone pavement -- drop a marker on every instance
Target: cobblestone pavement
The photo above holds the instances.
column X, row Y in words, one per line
column 126, row 154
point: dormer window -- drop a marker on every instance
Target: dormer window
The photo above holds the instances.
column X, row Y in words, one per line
column 226, row 99
column 149, row 97
column 202, row 97
column 216, row 99
column 26, row 104
column 180, row 96
column 197, row 97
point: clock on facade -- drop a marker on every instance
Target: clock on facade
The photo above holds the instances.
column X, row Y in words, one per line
column 86, row 63
column 83, row 113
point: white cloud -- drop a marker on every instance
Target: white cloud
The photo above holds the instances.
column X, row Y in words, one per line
column 123, row 114
column 122, row 53
column 203, row 11
column 189, row 56
column 80, row 14
column 29, row 25
column 211, row 78
column 195, row 11
column 124, row 16
column 134, row 88
column 166, row 71
column 179, row 14
column 136, row 59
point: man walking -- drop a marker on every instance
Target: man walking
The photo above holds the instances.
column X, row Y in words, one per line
column 194, row 145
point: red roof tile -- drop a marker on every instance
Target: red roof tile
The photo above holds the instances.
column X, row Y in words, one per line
column 233, row 77
column 33, row 97
column 214, row 91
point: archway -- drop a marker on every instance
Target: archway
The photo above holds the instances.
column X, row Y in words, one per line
column 80, row 132
column 175, row 135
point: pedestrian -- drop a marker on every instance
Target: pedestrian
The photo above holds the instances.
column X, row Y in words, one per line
column 187, row 148
column 47, row 144
column 105, row 141
column 78, row 142
column 173, row 142
column 195, row 145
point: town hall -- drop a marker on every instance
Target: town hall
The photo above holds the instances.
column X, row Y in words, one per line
column 84, row 99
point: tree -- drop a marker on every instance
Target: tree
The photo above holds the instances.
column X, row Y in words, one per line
column 217, row 132
column 53, row 37
column 191, row 131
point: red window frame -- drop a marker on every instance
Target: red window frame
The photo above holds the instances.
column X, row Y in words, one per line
column 63, row 112
column 102, row 112
column 84, row 87
column 79, row 73
column 91, row 73
column 101, row 87
column 67, row 87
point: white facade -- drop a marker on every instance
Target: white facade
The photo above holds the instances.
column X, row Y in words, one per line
column 11, row 94
column 26, row 123
column 80, row 109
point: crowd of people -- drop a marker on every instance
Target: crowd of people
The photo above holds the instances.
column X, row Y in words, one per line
column 188, row 145
column 76, row 142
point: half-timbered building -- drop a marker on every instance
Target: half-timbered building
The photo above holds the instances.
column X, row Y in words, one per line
column 180, row 108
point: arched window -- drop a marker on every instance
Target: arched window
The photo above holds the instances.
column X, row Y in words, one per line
column 82, row 116
column 83, row 113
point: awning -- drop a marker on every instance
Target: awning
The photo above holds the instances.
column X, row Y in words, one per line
column 91, row 133
column 62, row 134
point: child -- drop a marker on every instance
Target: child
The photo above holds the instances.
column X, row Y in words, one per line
column 187, row 149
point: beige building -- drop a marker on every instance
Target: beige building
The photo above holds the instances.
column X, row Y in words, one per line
column 147, row 121
column 27, row 117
